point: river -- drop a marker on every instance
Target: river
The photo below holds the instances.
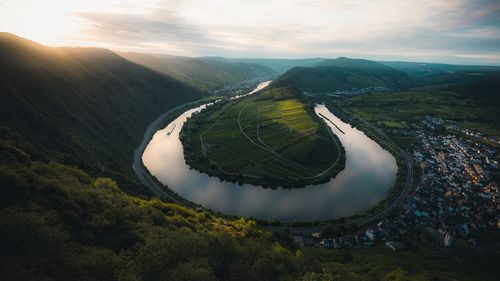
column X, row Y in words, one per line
column 370, row 172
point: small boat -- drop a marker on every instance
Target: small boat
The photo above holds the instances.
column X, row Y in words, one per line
column 171, row 130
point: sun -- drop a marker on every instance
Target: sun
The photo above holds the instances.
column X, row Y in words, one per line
column 47, row 22
column 59, row 22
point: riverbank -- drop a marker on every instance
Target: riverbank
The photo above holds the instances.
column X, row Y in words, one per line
column 396, row 195
column 404, row 161
column 270, row 140
column 141, row 171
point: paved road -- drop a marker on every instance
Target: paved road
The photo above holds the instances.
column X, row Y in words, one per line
column 160, row 190
column 371, row 217
column 144, row 176
column 361, row 221
column 339, row 153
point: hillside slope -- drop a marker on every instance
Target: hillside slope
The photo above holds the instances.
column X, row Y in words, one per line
column 426, row 74
column 354, row 63
column 423, row 68
column 344, row 74
column 203, row 73
column 280, row 65
column 440, row 78
column 59, row 223
column 487, row 89
column 86, row 107
column 82, row 106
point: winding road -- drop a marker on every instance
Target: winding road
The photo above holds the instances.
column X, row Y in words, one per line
column 144, row 176
column 371, row 217
column 162, row 191
column 361, row 221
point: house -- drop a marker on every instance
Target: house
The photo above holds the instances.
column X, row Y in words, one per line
column 327, row 243
column 448, row 239
column 370, row 234
column 395, row 245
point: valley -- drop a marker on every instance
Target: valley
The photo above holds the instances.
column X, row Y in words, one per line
column 164, row 158
column 204, row 73
column 139, row 166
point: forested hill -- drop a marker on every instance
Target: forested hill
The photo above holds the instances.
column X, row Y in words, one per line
column 59, row 223
column 355, row 63
column 345, row 74
column 89, row 108
column 445, row 75
column 86, row 107
column 204, row 73
column 280, row 65
column 487, row 89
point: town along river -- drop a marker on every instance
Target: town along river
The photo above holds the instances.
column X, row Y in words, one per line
column 370, row 172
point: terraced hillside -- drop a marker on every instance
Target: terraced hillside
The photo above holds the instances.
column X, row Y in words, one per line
column 270, row 139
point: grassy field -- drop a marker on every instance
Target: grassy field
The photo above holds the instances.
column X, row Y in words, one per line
column 395, row 110
column 271, row 136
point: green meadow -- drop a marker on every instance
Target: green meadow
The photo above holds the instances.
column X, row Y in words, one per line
column 396, row 110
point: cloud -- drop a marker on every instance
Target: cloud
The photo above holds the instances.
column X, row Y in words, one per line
column 417, row 30
column 143, row 31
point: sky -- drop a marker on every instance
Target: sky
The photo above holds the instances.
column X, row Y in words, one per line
column 451, row 31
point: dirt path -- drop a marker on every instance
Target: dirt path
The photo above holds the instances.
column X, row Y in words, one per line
column 265, row 148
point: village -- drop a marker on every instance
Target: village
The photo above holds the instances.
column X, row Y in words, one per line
column 454, row 198
column 350, row 92
column 239, row 88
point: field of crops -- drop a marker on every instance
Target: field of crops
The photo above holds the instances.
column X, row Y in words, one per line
column 394, row 110
column 269, row 135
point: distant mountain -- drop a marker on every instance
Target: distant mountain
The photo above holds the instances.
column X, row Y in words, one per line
column 456, row 78
column 419, row 69
column 86, row 107
column 488, row 88
column 426, row 74
column 204, row 73
column 280, row 65
column 354, row 63
column 343, row 74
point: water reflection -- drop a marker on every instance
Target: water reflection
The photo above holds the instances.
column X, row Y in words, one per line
column 369, row 173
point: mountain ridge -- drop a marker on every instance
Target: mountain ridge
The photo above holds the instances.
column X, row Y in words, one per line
column 345, row 74
column 84, row 102
column 204, row 73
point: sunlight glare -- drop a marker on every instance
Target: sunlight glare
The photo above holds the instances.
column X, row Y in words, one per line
column 55, row 22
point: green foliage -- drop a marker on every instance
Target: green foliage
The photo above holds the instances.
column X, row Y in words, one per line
column 487, row 88
column 483, row 79
column 270, row 139
column 327, row 275
column 280, row 65
column 84, row 107
column 344, row 74
column 467, row 110
column 58, row 223
column 202, row 73
column 88, row 107
column 355, row 63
